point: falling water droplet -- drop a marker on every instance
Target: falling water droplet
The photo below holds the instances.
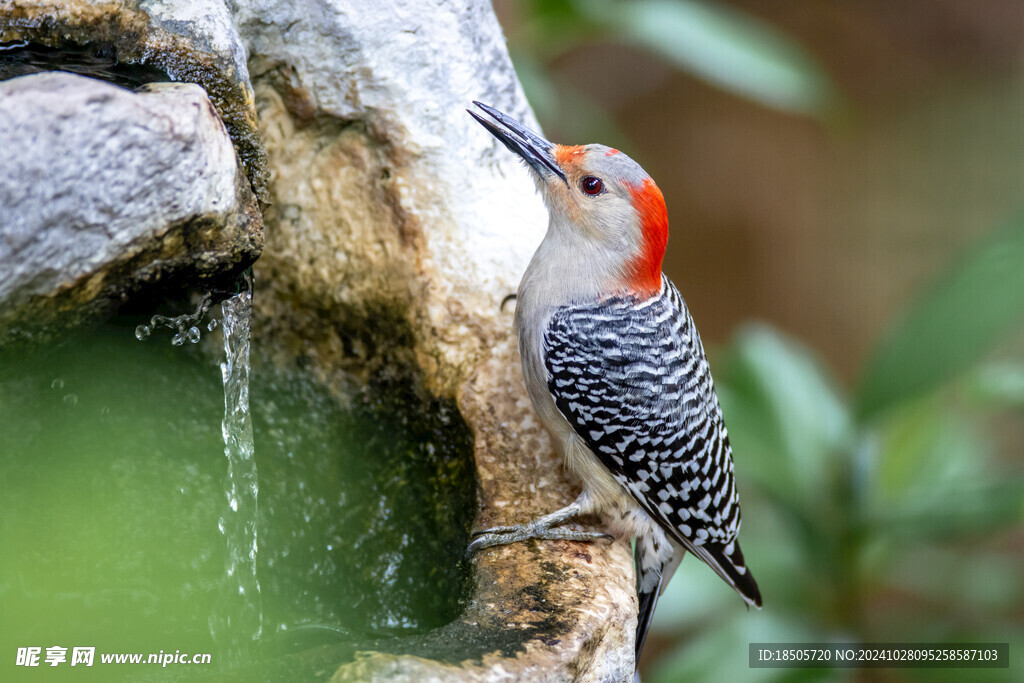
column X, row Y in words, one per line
column 192, row 335
column 57, row 384
column 71, row 399
column 212, row 325
column 178, row 339
column 142, row 332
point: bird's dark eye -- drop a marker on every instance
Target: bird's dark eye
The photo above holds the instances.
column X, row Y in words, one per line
column 591, row 185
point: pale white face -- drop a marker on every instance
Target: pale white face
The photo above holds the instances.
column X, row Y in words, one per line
column 596, row 198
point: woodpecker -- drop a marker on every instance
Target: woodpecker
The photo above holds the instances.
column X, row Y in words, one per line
column 616, row 371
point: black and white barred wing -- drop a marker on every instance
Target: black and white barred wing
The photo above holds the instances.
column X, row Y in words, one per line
column 631, row 378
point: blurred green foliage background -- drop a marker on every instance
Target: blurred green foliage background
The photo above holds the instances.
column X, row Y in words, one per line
column 849, row 173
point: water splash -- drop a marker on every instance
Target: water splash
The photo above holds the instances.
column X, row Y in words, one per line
column 183, row 325
column 238, row 520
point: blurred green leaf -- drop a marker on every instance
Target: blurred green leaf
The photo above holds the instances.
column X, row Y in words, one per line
column 784, row 416
column 719, row 44
column 924, row 449
column 951, row 326
column 999, row 385
column 725, row 47
column 935, row 479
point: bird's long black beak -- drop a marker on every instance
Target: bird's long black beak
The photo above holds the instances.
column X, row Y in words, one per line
column 534, row 149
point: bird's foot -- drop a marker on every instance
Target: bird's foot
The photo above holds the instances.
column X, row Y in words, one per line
column 544, row 528
column 524, row 532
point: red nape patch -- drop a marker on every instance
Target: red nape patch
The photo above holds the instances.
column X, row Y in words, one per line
column 611, row 152
column 650, row 207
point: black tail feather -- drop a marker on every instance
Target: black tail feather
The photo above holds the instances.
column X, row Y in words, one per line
column 728, row 563
column 648, row 601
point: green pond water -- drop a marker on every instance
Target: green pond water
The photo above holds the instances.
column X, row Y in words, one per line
column 113, row 480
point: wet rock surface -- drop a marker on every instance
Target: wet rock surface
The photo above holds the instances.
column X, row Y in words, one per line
column 108, row 191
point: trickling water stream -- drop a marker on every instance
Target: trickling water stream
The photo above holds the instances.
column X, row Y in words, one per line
column 237, row 615
column 238, row 522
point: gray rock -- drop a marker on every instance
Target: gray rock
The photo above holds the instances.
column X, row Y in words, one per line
column 105, row 191
column 192, row 41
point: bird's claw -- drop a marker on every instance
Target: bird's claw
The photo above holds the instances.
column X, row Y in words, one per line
column 499, row 530
column 503, row 535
